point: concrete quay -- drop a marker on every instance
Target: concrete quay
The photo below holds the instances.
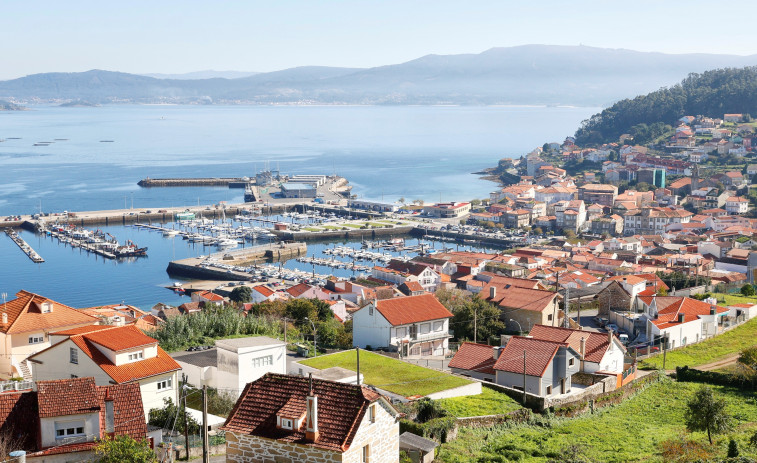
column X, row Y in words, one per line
column 231, row 182
column 196, row 268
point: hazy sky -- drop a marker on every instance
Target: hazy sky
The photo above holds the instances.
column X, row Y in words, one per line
column 182, row 36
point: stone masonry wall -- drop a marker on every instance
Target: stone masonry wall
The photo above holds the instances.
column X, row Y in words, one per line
column 383, row 437
column 252, row 449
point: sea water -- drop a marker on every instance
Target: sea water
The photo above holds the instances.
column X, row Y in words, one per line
column 98, row 154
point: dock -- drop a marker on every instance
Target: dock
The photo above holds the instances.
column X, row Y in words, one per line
column 81, row 244
column 231, row 182
column 24, row 247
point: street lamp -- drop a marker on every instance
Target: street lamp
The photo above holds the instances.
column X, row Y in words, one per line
column 520, row 329
column 315, row 339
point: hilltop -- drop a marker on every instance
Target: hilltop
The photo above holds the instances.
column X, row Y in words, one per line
column 529, row 74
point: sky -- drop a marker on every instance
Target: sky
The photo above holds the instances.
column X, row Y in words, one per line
column 169, row 36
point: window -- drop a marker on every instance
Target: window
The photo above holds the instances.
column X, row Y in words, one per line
column 425, row 328
column 366, row 454
column 36, row 339
column 262, row 361
column 549, row 317
column 549, row 390
column 136, row 356
column 372, row 413
column 438, row 326
column 286, row 424
column 69, row 429
column 165, row 384
column 400, row 332
column 74, row 376
column 370, row 310
column 571, row 362
column 74, row 354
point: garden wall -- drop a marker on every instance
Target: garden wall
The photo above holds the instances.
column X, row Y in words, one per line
column 473, row 388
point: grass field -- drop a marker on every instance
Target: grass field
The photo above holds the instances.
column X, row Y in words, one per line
column 631, row 431
column 311, row 229
column 710, row 350
column 390, row 374
column 489, row 402
column 728, row 299
column 352, row 225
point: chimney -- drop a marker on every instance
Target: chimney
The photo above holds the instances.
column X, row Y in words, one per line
column 609, row 338
column 713, row 310
column 5, row 318
column 492, row 292
column 582, row 348
column 311, row 415
column 681, row 318
column 496, row 351
column 109, row 417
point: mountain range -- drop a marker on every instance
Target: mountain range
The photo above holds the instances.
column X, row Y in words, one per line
column 528, row 74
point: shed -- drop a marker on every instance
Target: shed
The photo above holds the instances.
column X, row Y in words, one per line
column 420, row 449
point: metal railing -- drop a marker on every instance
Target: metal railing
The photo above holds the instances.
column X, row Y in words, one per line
column 12, row 386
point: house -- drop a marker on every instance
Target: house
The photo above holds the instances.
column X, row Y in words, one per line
column 207, row 298
column 424, row 275
column 654, row 220
column 475, row 361
column 681, row 320
column 63, row 419
column 261, row 293
column 526, row 307
column 27, row 322
column 544, row 368
column 570, row 215
column 112, row 355
column 447, row 210
column 597, row 193
column 414, row 325
column 293, row 418
column 233, row 363
column 598, row 352
column 737, row 205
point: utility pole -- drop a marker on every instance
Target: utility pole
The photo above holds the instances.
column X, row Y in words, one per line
column 524, row 378
column 186, row 420
column 566, row 306
column 475, row 324
column 357, row 354
column 285, row 329
column 205, row 446
column 664, row 350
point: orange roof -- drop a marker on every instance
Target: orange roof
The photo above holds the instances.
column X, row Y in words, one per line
column 472, row 356
column 81, row 330
column 522, row 298
column 412, row 309
column 691, row 309
column 539, row 355
column 298, row 289
column 120, row 338
column 596, row 344
column 264, row 290
column 210, row 296
column 25, row 315
column 632, row 280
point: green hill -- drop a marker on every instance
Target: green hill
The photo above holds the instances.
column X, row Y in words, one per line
column 712, row 93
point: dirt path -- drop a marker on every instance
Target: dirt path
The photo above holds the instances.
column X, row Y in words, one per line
column 731, row 359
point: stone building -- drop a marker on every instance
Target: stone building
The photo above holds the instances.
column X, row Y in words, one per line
column 285, row 418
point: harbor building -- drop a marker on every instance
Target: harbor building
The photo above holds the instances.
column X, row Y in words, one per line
column 377, row 206
column 298, row 190
column 447, row 210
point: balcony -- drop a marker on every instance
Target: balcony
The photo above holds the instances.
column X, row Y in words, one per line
column 433, row 336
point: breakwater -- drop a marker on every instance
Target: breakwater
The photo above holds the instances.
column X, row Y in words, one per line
column 234, row 182
column 350, row 234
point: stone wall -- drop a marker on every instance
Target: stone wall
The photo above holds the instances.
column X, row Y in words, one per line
column 487, row 421
column 242, row 448
column 382, row 437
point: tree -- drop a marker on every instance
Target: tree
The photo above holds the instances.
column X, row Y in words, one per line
column 705, row 412
column 538, row 231
column 124, row 449
column 475, row 202
column 402, row 200
column 418, row 202
column 480, row 313
column 172, row 417
column 747, row 290
column 241, row 294
column 748, row 357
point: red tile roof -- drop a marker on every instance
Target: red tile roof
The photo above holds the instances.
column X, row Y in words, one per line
column 539, row 355
column 264, row 290
column 210, row 296
column 341, row 408
column 596, row 344
column 81, row 330
column 412, row 309
column 476, row 357
column 119, row 339
column 62, row 397
column 298, row 290
column 522, row 298
column 128, row 411
column 18, row 412
column 691, row 309
column 25, row 315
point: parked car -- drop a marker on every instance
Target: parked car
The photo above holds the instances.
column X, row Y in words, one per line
column 643, row 349
column 612, row 327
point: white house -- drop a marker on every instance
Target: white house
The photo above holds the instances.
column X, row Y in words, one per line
column 549, row 366
column 233, row 363
column 598, row 352
column 736, row 205
column 416, row 325
column 25, row 328
column 112, row 355
column 681, row 319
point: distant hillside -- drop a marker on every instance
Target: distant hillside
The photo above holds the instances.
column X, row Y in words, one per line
column 8, row 106
column 530, row 74
column 712, row 93
column 208, row 74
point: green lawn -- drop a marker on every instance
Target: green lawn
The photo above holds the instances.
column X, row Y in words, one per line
column 489, row 402
column 311, row 229
column 728, row 299
column 710, row 350
column 351, row 225
column 390, row 374
column 631, row 431
column 331, row 227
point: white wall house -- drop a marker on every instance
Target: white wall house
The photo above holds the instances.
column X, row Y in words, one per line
column 414, row 325
column 682, row 320
column 111, row 355
column 233, row 363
